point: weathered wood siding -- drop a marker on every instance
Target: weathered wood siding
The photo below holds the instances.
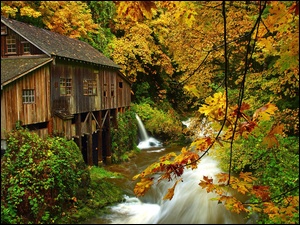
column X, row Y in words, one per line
column 123, row 92
column 12, row 107
column 110, row 93
column 3, row 116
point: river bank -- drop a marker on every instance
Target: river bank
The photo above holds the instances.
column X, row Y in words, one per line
column 102, row 193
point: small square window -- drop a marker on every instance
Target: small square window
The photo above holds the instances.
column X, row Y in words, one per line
column 26, row 47
column 89, row 87
column 28, row 96
column 65, row 86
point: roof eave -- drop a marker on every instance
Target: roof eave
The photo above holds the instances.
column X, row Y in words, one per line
column 11, row 27
column 22, row 74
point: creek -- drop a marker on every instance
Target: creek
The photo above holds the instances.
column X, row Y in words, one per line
column 190, row 204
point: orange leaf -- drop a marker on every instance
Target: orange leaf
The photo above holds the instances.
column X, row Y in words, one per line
column 271, row 139
column 171, row 190
column 222, row 177
column 247, row 176
column 261, row 192
column 207, row 184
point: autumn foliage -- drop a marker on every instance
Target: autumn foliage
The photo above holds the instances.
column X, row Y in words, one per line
column 171, row 166
column 233, row 122
column 236, row 63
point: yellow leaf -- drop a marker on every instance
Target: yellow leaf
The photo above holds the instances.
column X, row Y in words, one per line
column 265, row 112
column 143, row 186
column 247, row 176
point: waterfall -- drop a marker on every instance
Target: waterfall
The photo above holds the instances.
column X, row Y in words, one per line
column 145, row 142
column 190, row 205
column 142, row 129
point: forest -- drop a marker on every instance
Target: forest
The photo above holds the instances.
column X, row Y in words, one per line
column 235, row 63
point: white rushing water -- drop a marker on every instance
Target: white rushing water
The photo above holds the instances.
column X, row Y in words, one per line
column 146, row 141
column 190, row 204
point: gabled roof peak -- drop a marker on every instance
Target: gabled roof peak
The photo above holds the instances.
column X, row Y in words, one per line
column 54, row 44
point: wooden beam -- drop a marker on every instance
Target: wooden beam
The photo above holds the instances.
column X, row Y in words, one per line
column 95, row 119
column 114, row 118
column 78, row 130
column 50, row 126
column 100, row 144
column 90, row 141
column 104, row 119
column 108, row 138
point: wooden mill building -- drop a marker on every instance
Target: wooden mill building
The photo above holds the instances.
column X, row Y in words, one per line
column 56, row 85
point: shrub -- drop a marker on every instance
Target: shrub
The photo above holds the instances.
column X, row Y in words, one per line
column 40, row 178
column 124, row 138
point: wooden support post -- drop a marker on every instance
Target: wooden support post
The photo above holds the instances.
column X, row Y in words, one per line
column 90, row 141
column 114, row 118
column 100, row 145
column 108, row 139
column 50, row 127
column 67, row 124
column 78, row 130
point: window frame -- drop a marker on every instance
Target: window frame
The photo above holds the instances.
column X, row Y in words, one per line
column 28, row 96
column 105, row 90
column 120, row 84
column 11, row 46
column 23, row 47
column 65, row 86
column 112, row 90
column 89, row 87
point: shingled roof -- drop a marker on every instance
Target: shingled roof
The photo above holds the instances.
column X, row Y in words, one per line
column 54, row 44
column 11, row 72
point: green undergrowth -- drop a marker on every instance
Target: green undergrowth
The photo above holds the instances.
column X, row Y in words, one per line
column 101, row 193
column 46, row 181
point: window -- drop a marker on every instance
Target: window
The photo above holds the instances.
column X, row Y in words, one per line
column 112, row 90
column 26, row 47
column 89, row 87
column 11, row 44
column 105, row 90
column 120, row 84
column 28, row 96
column 65, row 86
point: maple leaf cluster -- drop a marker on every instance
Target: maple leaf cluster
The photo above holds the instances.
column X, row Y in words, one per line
column 171, row 166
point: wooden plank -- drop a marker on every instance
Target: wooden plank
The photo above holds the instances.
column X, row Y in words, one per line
column 108, row 138
column 100, row 145
column 90, row 141
column 78, row 130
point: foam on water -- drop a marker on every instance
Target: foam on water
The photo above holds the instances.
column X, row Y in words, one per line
column 190, row 204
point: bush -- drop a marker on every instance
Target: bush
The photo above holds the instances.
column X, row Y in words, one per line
column 276, row 167
column 40, row 178
column 124, row 138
